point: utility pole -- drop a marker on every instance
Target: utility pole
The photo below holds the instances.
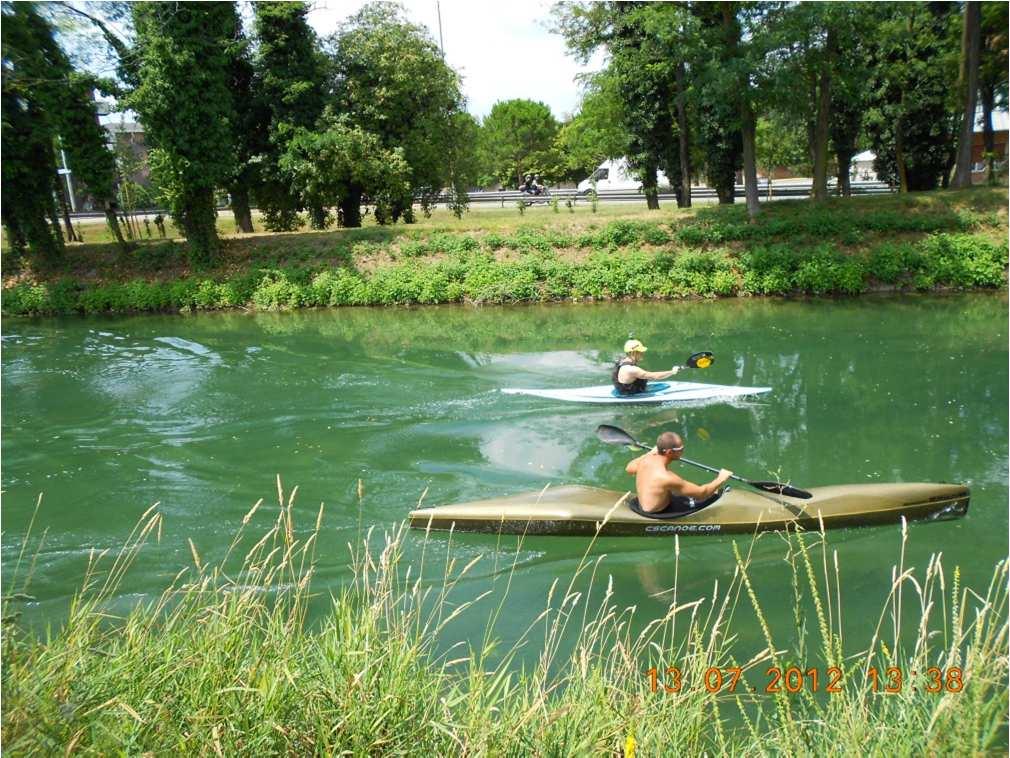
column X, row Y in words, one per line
column 441, row 45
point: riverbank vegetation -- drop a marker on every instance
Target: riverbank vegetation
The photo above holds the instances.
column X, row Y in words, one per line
column 225, row 662
column 949, row 240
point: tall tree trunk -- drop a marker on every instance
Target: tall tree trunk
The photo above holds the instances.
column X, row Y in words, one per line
column 350, row 209
column 684, row 199
column 748, row 129
column 899, row 154
column 65, row 211
column 240, row 209
column 317, row 217
column 844, row 156
column 113, row 222
column 971, row 48
column 988, row 92
column 650, row 185
column 199, row 223
column 820, row 146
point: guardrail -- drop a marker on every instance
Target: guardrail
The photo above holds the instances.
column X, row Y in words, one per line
column 697, row 193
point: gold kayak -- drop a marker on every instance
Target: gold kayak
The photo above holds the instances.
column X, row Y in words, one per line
column 579, row 510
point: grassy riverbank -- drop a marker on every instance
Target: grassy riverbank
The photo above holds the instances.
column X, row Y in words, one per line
column 224, row 663
column 928, row 241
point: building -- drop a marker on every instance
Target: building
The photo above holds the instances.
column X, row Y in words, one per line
column 126, row 139
column 979, row 163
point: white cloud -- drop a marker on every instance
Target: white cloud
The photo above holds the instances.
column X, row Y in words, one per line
column 502, row 50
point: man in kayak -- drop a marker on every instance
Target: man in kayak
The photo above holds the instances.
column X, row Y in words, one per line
column 655, row 485
column 629, row 378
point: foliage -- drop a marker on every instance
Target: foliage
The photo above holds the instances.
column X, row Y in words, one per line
column 467, row 271
column 911, row 113
column 186, row 105
column 328, row 166
column 516, row 138
column 718, row 118
column 289, row 88
column 33, row 70
column 780, row 144
column 595, row 133
column 390, row 80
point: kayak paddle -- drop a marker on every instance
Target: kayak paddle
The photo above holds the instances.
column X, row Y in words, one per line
column 700, row 360
column 615, row 436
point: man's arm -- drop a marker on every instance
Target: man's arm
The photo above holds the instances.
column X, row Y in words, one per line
column 698, row 491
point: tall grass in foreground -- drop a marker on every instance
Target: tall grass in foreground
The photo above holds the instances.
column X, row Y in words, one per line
column 224, row 663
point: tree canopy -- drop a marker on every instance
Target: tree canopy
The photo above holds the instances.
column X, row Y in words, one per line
column 517, row 138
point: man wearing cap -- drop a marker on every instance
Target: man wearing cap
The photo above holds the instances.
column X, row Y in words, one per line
column 629, row 378
column 655, row 485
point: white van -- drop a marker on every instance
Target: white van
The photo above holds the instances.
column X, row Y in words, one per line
column 615, row 175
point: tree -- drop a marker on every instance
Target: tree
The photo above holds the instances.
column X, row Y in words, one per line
column 389, row 78
column 595, row 133
column 849, row 96
column 338, row 164
column 644, row 74
column 185, row 103
column 250, row 135
column 779, row 143
column 88, row 155
column 817, row 64
column 29, row 166
column 39, row 80
column 910, row 119
column 291, row 75
column 741, row 76
column 718, row 113
column 992, row 73
column 517, row 137
column 461, row 161
column 967, row 85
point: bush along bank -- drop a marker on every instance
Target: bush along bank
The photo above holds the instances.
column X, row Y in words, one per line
column 472, row 274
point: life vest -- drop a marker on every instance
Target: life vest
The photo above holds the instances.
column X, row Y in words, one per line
column 639, row 385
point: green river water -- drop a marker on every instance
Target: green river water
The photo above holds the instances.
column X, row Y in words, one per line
column 201, row 412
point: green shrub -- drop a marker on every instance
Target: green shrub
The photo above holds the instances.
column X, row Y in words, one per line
column 890, row 262
column 653, row 234
column 26, row 299
column 413, row 249
column 275, row 292
column 725, row 283
column 964, row 261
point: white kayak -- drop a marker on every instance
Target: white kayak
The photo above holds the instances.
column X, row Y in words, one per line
column 657, row 392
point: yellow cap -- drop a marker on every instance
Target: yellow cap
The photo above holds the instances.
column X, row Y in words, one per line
column 634, row 346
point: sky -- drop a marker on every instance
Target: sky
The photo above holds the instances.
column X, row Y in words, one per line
column 501, row 48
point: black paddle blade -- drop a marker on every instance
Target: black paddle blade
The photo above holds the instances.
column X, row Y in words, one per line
column 778, row 488
column 700, row 360
column 614, row 435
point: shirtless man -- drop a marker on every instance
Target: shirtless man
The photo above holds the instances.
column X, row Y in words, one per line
column 655, row 485
column 629, row 378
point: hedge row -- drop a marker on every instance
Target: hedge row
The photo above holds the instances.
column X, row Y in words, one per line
column 958, row 261
column 706, row 230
